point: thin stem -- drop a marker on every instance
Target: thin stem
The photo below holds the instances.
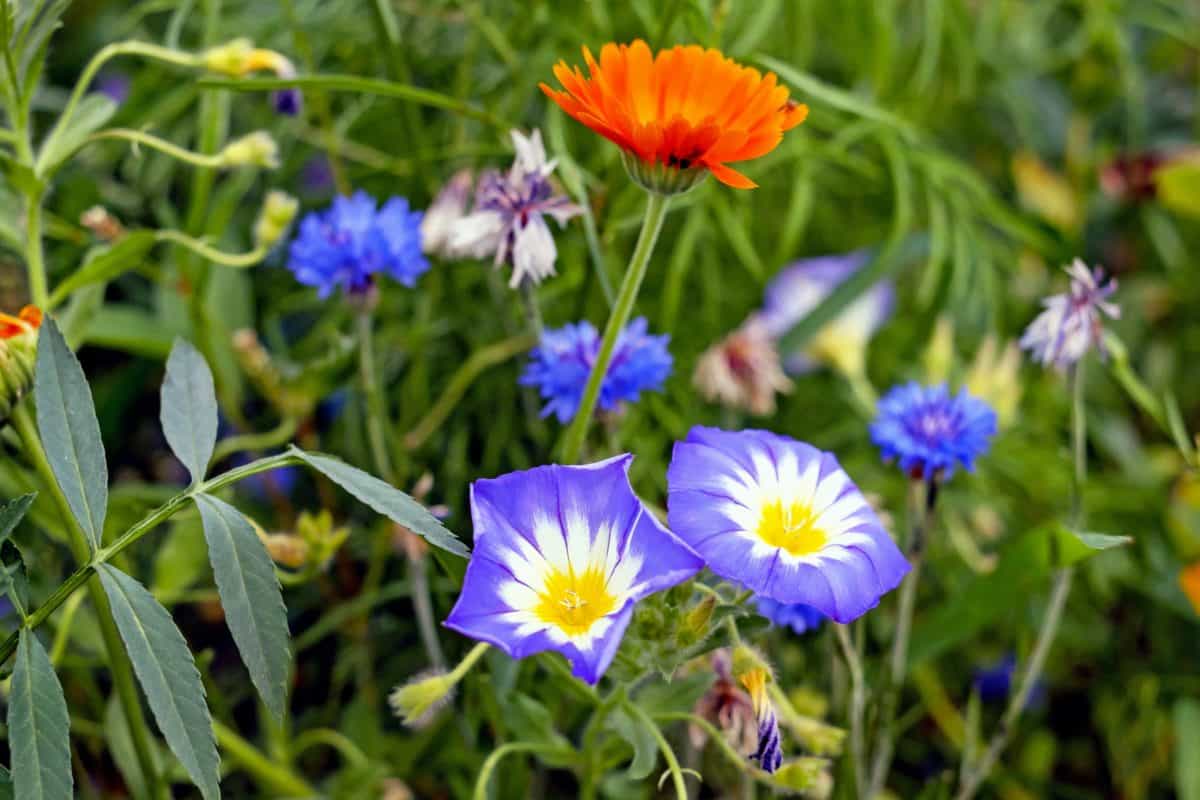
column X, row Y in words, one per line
column 656, row 211
column 210, row 253
column 857, row 704
column 276, row 778
column 529, row 304
column 418, row 576
column 278, row 435
column 464, row 666
column 494, row 759
column 663, row 745
column 118, row 661
column 589, row 748
column 717, row 738
column 204, row 160
column 377, row 438
column 35, row 265
column 349, row 751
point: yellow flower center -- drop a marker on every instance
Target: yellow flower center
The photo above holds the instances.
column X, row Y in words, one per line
column 573, row 602
column 792, row 527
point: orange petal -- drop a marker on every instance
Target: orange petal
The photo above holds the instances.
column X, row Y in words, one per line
column 731, row 177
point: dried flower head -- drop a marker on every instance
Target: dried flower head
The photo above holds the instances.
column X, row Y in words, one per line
column 742, row 370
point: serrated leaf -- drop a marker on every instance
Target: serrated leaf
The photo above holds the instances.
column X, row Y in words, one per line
column 61, row 143
column 67, row 422
column 104, row 264
column 634, row 731
column 38, row 726
column 168, row 675
column 251, row 597
column 189, row 409
column 384, row 499
column 12, row 512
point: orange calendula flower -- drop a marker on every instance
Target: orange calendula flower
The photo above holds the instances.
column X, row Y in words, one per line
column 679, row 114
column 18, row 351
column 1189, row 579
column 29, row 320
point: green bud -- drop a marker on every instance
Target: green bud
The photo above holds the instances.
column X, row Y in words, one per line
column 417, row 701
column 696, row 621
column 808, row 775
column 256, row 149
column 278, row 211
column 229, row 58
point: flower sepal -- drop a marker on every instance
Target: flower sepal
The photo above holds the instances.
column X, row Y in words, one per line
column 662, row 178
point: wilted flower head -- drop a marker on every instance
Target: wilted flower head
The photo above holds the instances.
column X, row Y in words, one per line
column 727, row 706
column 256, row 149
column 678, row 114
column 842, row 342
column 1071, row 324
column 930, row 431
column 742, row 370
column 1130, row 176
column 508, row 221
column 769, row 750
column 278, row 211
column 103, row 224
column 561, row 556
column 344, row 246
column 799, row 617
column 448, row 208
column 18, row 352
column 782, row 518
column 559, row 366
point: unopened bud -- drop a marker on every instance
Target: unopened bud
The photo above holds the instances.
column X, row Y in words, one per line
column 419, row 700
column 808, row 775
column 18, row 353
column 103, row 225
column 229, row 59
column 939, row 353
column 698, row 617
column 255, row 149
column 278, row 211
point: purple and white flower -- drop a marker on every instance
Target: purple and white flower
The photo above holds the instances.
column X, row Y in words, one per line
column 1071, row 324
column 447, row 210
column 781, row 518
column 508, row 222
column 561, row 556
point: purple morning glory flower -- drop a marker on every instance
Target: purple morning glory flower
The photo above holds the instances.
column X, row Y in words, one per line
column 508, row 221
column 1071, row 324
column 561, row 556
column 800, row 287
column 344, row 246
column 559, row 366
column 782, row 518
column 799, row 617
column 929, row 431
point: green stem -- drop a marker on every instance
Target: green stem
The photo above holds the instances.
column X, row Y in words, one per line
column 349, row 751
column 119, row 665
column 276, row 778
column 717, row 738
column 494, row 759
column 418, row 576
column 664, row 746
column 209, row 253
column 203, row 160
column 35, row 265
column 529, row 304
column 589, row 749
column 857, row 704
column 278, row 435
column 377, row 437
column 656, row 211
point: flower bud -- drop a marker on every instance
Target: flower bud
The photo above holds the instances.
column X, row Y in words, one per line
column 419, row 700
column 278, row 211
column 229, row 59
column 808, row 775
column 18, row 352
column 696, row 620
column 321, row 536
column 939, row 353
column 255, row 149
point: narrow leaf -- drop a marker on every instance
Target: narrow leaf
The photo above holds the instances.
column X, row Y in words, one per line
column 1070, row 547
column 92, row 112
column 70, row 433
column 189, row 409
column 12, row 512
column 251, row 597
column 101, row 265
column 38, row 726
column 384, row 499
column 638, row 737
column 168, row 675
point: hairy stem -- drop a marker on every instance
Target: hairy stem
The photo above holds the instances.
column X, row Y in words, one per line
column 857, row 705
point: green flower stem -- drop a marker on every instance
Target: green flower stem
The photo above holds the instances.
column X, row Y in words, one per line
column 922, row 516
column 203, row 160
column 418, row 578
column 35, row 265
column 345, row 747
column 118, row 660
column 656, row 211
column 589, row 748
column 974, row 776
column 529, row 304
column 668, row 754
column 462, row 379
column 209, row 253
column 857, row 705
column 278, row 435
column 497, row 755
column 133, row 534
column 277, row 779
column 717, row 738
column 377, row 435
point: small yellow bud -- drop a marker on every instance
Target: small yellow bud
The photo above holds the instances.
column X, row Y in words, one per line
column 278, row 211
column 939, row 353
column 256, row 149
column 417, row 701
column 229, row 59
column 746, row 660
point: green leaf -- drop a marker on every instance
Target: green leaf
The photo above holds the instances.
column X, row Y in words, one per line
column 1066, row 547
column 1179, row 188
column 168, row 675
column 38, row 726
column 118, row 740
column 251, row 597
column 679, row 694
column 66, row 420
column 61, row 143
column 189, row 409
column 6, row 786
column 634, row 731
column 530, row 720
column 105, row 263
column 180, row 561
column 384, row 499
column 125, row 327
column 1186, row 716
column 12, row 512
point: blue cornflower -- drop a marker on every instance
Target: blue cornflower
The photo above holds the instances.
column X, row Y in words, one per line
column 800, row 617
column 928, row 430
column 995, row 682
column 346, row 244
column 561, row 362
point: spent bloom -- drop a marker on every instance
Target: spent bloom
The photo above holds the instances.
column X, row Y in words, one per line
column 769, row 752
column 727, row 707
column 344, row 246
column 781, row 518
column 742, row 370
column 930, row 431
column 679, row 114
column 18, row 351
column 559, row 366
column 841, row 343
column 447, row 209
column 799, row 617
column 508, row 221
column 561, row 556
column 1071, row 324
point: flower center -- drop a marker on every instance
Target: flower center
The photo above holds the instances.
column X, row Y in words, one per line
column 792, row 527
column 574, row 601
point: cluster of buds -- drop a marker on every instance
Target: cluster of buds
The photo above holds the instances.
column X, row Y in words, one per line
column 18, row 352
column 310, row 547
column 240, row 58
column 278, row 211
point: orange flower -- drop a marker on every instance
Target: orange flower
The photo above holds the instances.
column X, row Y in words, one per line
column 1189, row 580
column 685, row 108
column 30, row 319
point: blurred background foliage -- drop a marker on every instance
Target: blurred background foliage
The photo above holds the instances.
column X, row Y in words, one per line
column 989, row 141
